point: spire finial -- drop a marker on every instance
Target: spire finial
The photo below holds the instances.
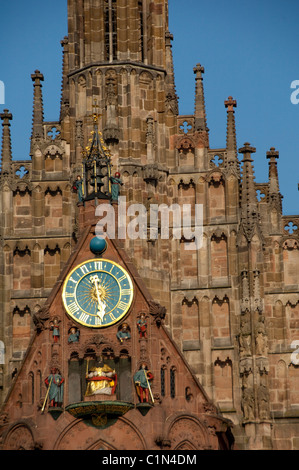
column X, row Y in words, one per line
column 199, row 70
column 230, row 104
column 273, row 155
column 247, row 150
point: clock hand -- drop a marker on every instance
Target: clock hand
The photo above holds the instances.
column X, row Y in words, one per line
column 101, row 304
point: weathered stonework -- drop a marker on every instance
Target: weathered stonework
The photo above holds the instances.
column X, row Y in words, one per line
column 232, row 306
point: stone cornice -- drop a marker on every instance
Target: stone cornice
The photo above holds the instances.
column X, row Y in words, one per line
column 118, row 64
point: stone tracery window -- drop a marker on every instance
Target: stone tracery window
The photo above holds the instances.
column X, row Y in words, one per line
column 110, row 24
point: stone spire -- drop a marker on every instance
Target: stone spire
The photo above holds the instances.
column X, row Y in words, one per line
column 275, row 198
column 231, row 140
column 64, row 106
column 171, row 96
column 38, row 112
column 249, row 204
column 200, row 111
column 6, row 153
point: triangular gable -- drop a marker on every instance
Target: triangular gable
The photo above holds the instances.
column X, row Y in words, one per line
column 174, row 388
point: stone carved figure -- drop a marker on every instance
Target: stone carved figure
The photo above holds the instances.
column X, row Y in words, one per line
column 263, row 397
column 261, row 339
column 248, row 404
column 245, row 335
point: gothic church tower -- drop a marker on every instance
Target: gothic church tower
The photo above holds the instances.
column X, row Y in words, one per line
column 233, row 304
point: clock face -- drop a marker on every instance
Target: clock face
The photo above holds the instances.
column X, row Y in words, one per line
column 97, row 293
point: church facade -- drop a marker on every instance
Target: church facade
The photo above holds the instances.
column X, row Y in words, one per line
column 222, row 317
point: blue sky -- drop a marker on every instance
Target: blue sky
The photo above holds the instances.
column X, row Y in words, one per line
column 249, row 49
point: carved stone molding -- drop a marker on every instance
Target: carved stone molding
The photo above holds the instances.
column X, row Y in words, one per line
column 158, row 312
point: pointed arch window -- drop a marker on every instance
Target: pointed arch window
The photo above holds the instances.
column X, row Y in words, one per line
column 172, row 382
column 163, row 372
column 110, row 23
column 31, row 388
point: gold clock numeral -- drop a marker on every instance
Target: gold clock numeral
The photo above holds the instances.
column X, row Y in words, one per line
column 73, row 308
column 126, row 292
column 122, row 305
column 122, row 278
column 84, row 269
column 84, row 317
column 98, row 265
column 69, row 294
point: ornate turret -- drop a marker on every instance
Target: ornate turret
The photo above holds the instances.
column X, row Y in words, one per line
column 275, row 198
column 38, row 110
column 64, row 105
column 171, row 96
column 6, row 143
column 96, row 168
column 249, row 204
column 231, row 140
column 200, row 111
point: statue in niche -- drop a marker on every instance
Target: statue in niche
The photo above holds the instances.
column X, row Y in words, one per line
column 55, row 384
column 142, row 380
column 54, row 326
column 78, row 188
column 124, row 333
column 74, row 335
column 101, row 380
column 261, row 339
column 115, row 186
column 244, row 345
column 248, row 404
column 142, row 326
column 245, row 335
column 263, row 397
